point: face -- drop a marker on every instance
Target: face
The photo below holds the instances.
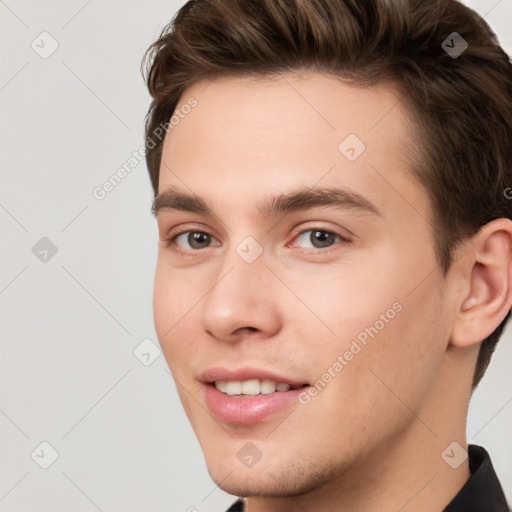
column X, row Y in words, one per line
column 307, row 262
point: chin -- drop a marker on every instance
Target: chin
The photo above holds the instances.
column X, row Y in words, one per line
column 275, row 480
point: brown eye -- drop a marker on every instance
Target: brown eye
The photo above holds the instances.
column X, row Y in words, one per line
column 190, row 241
column 318, row 238
column 198, row 240
column 321, row 239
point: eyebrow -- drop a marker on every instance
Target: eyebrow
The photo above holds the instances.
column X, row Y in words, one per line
column 297, row 200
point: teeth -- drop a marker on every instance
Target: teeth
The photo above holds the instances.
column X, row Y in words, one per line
column 251, row 387
column 221, row 385
column 267, row 387
column 233, row 388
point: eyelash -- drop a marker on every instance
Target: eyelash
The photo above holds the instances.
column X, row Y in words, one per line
column 171, row 241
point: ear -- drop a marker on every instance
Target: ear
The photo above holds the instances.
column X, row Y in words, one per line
column 486, row 274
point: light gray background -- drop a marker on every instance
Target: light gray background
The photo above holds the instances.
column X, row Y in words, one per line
column 69, row 326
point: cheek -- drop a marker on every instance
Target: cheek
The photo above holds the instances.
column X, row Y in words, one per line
column 364, row 384
column 388, row 320
column 163, row 304
column 339, row 305
column 174, row 295
column 394, row 352
column 173, row 302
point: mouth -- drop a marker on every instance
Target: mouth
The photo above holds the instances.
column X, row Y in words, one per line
column 248, row 396
column 253, row 387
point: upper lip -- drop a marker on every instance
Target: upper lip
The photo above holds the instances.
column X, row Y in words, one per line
column 247, row 373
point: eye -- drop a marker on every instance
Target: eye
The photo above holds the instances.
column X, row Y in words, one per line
column 318, row 238
column 310, row 239
column 187, row 240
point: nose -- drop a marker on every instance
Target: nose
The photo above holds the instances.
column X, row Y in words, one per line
column 243, row 301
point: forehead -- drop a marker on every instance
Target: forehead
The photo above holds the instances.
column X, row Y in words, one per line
column 309, row 105
column 272, row 134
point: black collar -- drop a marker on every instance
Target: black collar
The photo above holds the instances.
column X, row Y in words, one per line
column 481, row 493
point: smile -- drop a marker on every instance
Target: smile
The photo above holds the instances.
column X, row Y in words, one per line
column 252, row 387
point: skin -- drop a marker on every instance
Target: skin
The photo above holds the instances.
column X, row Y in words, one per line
column 372, row 438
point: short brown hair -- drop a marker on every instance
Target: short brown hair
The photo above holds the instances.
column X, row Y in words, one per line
column 462, row 103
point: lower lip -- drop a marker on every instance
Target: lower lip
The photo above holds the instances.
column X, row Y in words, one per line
column 247, row 410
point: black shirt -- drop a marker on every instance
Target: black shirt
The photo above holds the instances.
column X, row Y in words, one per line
column 481, row 493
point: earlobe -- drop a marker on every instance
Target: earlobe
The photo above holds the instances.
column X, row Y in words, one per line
column 487, row 269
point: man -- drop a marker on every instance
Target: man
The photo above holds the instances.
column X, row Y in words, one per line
column 334, row 269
